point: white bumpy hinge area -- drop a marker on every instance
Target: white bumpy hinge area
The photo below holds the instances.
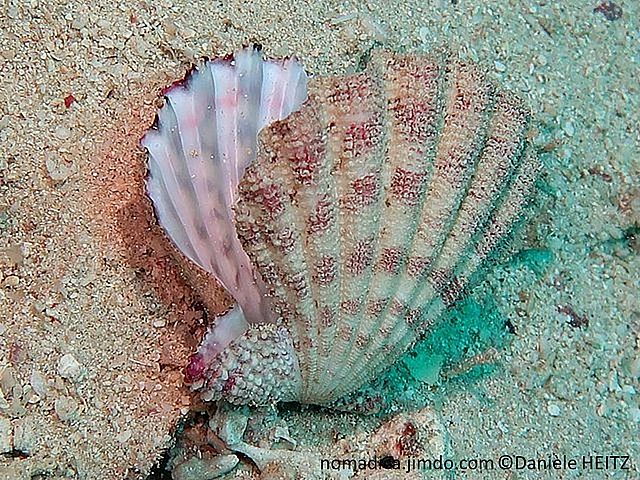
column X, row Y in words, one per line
column 258, row 368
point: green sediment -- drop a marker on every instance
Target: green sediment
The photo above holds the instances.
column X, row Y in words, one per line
column 464, row 347
column 537, row 259
column 471, row 328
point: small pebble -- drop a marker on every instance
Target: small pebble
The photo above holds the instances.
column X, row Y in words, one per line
column 424, row 34
column 6, row 435
column 159, row 323
column 106, row 43
column 234, row 424
column 124, row 437
column 634, row 367
column 205, row 468
column 24, row 435
column 186, row 32
column 62, row 132
column 282, row 433
column 69, row 367
column 13, row 254
column 79, row 22
column 500, row 67
column 553, row 409
column 569, row 129
column 57, row 168
column 7, row 380
column 39, row 383
column 4, row 405
column 11, row 281
column 66, row 408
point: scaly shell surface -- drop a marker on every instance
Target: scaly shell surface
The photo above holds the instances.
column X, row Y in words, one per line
column 366, row 214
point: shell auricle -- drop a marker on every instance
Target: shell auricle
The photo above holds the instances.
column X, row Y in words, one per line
column 344, row 214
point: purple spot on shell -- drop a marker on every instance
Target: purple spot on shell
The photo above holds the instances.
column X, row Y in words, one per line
column 361, row 257
column 364, row 192
column 195, row 369
column 322, row 217
column 407, row 186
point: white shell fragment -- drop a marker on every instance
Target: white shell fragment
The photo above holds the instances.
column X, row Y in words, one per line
column 366, row 214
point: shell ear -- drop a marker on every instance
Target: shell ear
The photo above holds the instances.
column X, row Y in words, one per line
column 258, row 368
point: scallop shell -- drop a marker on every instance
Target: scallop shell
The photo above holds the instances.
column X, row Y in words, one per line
column 366, row 214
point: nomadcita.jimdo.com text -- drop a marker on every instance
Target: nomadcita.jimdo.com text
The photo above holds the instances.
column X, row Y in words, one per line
column 503, row 462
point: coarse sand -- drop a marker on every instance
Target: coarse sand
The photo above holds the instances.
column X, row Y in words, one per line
column 96, row 320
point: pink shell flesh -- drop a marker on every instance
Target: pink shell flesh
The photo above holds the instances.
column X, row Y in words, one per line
column 204, row 139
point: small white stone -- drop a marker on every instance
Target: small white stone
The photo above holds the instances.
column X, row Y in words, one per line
column 57, row 168
column 66, row 408
column 500, row 67
column 39, row 383
column 79, row 23
column 124, row 437
column 569, row 129
column 25, row 438
column 69, row 367
column 62, row 132
column 11, row 281
column 6, row 435
column 553, row 409
column 159, row 323
column 7, row 380
column 424, row 34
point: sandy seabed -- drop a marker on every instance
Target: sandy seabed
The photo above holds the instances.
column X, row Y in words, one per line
column 96, row 321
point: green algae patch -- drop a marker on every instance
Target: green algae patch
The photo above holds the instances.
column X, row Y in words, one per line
column 537, row 259
column 424, row 366
column 469, row 330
